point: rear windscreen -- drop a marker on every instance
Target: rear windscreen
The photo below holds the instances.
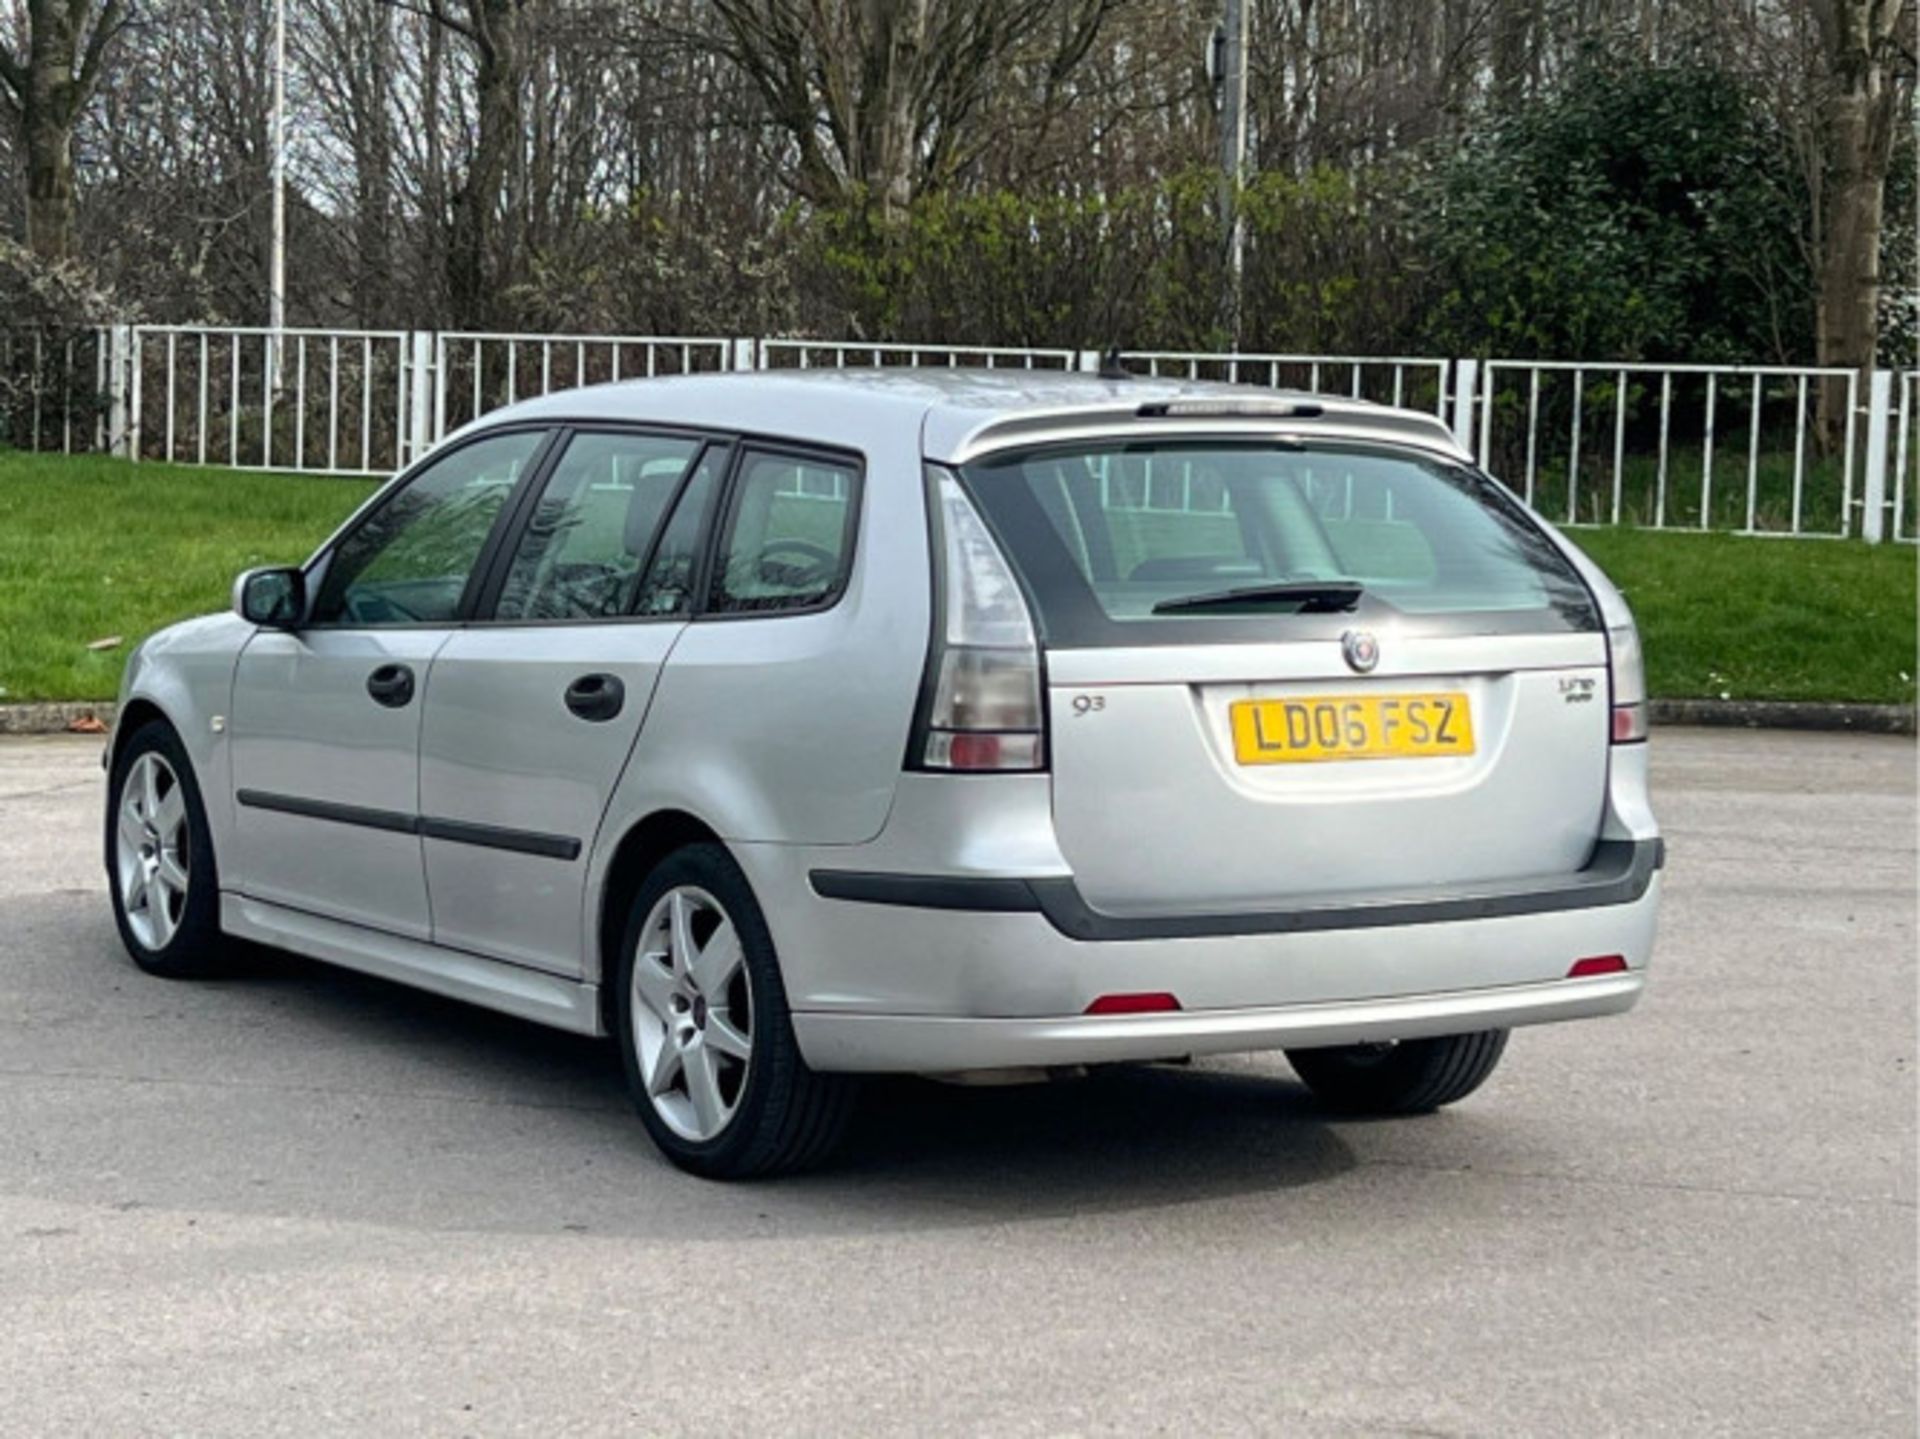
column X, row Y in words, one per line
column 1175, row 542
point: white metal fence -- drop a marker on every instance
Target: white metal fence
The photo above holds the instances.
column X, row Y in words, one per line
column 1419, row 384
column 1775, row 450
column 1694, row 446
column 1906, row 460
column 843, row 354
column 324, row 401
column 474, row 373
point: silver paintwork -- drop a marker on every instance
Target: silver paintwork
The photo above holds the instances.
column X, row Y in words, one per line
column 1195, row 829
column 692, row 1013
column 785, row 736
column 498, row 747
column 301, row 724
column 935, row 1043
column 881, row 959
column 153, row 853
column 510, row 988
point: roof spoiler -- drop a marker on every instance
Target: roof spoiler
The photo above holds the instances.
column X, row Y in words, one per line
column 1255, row 415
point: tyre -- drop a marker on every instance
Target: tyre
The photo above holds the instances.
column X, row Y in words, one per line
column 160, row 864
column 1411, row 1076
column 703, row 1027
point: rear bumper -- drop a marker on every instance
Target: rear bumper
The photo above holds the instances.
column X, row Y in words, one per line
column 935, row 1044
column 915, row 971
column 1618, row 872
column 958, row 939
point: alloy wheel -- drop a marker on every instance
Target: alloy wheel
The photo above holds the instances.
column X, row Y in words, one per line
column 692, row 1013
column 152, row 850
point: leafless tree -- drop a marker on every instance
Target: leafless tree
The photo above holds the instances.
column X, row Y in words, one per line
column 880, row 98
column 674, row 164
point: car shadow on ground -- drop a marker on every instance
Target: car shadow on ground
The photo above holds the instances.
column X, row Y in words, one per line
column 918, row 1152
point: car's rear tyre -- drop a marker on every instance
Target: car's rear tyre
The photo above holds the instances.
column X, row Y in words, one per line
column 1408, row 1077
column 160, row 864
column 704, row 1031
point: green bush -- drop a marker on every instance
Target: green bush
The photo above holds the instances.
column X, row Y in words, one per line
column 1135, row 266
column 1642, row 212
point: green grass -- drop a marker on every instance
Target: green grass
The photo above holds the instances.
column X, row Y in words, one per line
column 91, row 548
column 1741, row 618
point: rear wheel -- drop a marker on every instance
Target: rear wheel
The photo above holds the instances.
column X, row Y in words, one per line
column 1410, row 1076
column 166, row 895
column 704, row 1030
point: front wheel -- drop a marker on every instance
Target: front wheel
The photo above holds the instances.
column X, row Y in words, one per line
column 704, row 1031
column 166, row 895
column 1410, row 1076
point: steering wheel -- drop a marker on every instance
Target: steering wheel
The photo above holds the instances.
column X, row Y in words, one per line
column 817, row 563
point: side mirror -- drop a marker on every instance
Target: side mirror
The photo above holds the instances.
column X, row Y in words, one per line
column 275, row 598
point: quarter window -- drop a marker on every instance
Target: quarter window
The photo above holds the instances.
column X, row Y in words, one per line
column 789, row 534
column 579, row 556
column 409, row 562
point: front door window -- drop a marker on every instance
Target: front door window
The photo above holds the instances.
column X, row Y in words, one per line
column 408, row 564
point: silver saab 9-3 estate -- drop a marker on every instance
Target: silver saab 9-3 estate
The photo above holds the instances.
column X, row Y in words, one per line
column 790, row 727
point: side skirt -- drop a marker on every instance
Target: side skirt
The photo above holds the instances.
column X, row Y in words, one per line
column 514, row 989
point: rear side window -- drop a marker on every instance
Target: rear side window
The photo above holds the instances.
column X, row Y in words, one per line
column 789, row 534
column 1150, row 543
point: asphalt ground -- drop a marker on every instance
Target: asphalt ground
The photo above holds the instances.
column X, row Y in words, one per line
column 301, row 1201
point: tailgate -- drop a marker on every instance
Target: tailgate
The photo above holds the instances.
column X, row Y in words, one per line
column 1474, row 761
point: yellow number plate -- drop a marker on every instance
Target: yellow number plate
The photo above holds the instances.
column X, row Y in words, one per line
column 1317, row 727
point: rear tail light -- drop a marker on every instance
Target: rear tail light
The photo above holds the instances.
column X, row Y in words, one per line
column 982, row 710
column 1628, row 681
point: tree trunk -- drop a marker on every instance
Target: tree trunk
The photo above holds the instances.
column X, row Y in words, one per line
column 373, row 178
column 44, row 92
column 50, row 204
column 475, row 270
column 1856, row 38
column 47, row 114
column 894, row 52
column 1514, row 46
column 1850, row 266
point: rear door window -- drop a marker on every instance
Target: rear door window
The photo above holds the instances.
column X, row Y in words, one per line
column 1151, row 543
column 579, row 556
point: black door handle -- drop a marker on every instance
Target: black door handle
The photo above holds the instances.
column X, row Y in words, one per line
column 596, row 697
column 391, row 685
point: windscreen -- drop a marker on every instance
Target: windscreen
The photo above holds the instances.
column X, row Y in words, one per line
column 1172, row 542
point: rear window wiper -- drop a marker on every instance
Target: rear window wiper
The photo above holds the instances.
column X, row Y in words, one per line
column 1313, row 597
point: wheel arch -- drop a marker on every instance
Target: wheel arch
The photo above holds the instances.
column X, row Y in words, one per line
column 646, row 842
column 131, row 718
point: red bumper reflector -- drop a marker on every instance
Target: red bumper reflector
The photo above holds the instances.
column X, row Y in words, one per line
column 1133, row 1004
column 1598, row 964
